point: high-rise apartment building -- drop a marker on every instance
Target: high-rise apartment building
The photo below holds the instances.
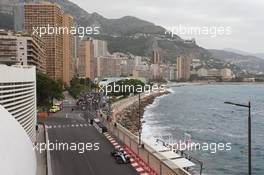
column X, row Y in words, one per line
column 18, row 12
column 108, row 66
column 100, row 48
column 86, row 59
column 75, row 55
column 155, row 57
column 45, row 14
column 22, row 49
column 67, row 49
column 183, row 67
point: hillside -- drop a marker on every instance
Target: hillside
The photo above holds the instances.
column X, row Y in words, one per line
column 125, row 34
column 250, row 63
column 259, row 55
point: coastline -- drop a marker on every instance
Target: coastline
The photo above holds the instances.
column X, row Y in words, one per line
column 126, row 112
column 128, row 117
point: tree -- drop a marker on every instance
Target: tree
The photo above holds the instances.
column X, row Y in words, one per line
column 78, row 85
column 47, row 89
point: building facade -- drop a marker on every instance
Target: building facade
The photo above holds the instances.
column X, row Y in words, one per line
column 19, row 17
column 18, row 95
column 100, row 48
column 155, row 57
column 86, row 64
column 45, row 14
column 22, row 49
column 183, row 68
column 67, row 49
column 108, row 66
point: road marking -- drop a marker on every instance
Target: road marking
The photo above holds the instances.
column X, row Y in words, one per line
column 134, row 164
column 139, row 169
column 81, row 125
column 115, row 144
column 145, row 174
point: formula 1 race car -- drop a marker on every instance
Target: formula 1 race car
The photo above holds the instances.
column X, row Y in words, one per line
column 120, row 156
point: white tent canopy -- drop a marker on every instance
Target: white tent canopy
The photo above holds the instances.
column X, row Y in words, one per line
column 182, row 162
column 170, row 154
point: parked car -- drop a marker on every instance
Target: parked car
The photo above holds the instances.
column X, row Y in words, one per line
column 54, row 109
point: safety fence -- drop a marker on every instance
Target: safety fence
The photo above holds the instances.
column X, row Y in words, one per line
column 157, row 163
column 152, row 158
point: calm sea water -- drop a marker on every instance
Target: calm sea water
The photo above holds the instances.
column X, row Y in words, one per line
column 200, row 111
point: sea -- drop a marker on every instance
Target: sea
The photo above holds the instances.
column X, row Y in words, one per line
column 199, row 112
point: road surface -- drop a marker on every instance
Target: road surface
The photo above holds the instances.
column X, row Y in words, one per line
column 73, row 130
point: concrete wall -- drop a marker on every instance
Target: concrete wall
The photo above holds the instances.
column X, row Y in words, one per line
column 147, row 154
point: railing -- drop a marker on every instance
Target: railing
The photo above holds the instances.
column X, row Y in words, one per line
column 158, row 164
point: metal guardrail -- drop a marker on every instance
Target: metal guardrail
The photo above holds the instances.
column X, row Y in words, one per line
column 160, row 165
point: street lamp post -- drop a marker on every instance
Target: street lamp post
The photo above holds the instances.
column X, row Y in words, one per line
column 249, row 131
column 139, row 121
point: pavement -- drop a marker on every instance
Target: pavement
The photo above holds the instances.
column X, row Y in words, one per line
column 41, row 157
column 70, row 127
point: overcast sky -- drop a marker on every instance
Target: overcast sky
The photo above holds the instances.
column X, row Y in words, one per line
column 245, row 17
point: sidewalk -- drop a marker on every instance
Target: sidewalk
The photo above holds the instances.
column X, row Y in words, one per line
column 41, row 157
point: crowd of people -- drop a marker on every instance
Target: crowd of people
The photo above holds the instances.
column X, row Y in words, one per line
column 92, row 102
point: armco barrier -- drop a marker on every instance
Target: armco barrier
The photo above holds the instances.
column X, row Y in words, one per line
column 159, row 164
column 156, row 162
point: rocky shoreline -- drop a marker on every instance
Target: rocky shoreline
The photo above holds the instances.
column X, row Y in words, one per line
column 128, row 117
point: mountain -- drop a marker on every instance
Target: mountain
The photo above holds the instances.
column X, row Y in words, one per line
column 128, row 34
column 127, row 25
column 260, row 55
column 133, row 35
column 250, row 63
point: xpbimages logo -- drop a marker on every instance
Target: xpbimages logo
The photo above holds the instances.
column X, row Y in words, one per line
column 59, row 30
column 80, row 147
column 117, row 88
column 212, row 31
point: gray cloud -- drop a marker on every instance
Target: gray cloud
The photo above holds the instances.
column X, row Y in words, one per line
column 245, row 17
